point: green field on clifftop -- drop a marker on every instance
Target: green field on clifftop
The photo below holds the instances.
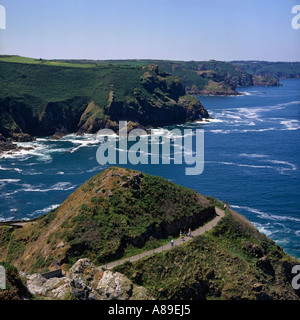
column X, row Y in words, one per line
column 38, row 97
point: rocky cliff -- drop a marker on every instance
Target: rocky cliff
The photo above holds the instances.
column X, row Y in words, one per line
column 270, row 70
column 204, row 77
column 42, row 100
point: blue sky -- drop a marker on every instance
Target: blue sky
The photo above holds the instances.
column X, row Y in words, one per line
column 153, row 29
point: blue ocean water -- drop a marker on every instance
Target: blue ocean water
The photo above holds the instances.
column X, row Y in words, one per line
column 251, row 153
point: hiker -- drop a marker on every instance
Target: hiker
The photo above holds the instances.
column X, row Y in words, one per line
column 181, row 236
column 190, row 232
column 184, row 232
column 172, row 243
column 225, row 206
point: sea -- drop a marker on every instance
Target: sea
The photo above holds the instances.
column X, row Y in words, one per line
column 251, row 161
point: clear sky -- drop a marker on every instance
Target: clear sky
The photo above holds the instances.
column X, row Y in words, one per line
column 151, row 29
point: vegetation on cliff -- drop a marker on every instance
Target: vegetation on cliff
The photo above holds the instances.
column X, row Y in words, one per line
column 201, row 77
column 40, row 97
column 117, row 212
column 232, row 261
column 120, row 212
column 277, row 70
column 15, row 288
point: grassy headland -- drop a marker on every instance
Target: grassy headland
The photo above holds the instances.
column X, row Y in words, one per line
column 119, row 211
column 40, row 97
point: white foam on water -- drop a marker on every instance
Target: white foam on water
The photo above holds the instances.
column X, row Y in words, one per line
column 4, row 182
column 267, row 216
column 281, row 166
column 60, row 186
column 10, row 180
column 241, row 164
column 282, row 241
column 11, row 169
column 263, row 228
column 245, row 93
column 252, row 155
column 252, row 116
column 6, row 219
column 219, row 131
column 86, row 140
column 290, row 124
column 41, row 151
column 289, row 165
column 45, row 210
column 98, row 168
column 208, row 121
column 288, row 103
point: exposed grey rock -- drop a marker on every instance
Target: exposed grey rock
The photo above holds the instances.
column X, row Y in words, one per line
column 82, row 276
column 116, row 286
column 85, row 282
column 54, row 288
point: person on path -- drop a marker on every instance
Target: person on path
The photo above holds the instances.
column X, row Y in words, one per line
column 190, row 232
column 181, row 236
column 172, row 243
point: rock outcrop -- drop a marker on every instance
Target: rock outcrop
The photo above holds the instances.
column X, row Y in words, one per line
column 85, row 282
column 115, row 286
column 8, row 147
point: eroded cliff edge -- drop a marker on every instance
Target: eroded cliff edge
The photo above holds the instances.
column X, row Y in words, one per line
column 43, row 100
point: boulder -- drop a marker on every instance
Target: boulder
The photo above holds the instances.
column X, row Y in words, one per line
column 116, row 286
column 53, row 288
column 83, row 279
column 85, row 282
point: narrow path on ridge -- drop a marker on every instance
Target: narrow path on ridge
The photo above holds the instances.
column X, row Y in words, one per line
column 177, row 242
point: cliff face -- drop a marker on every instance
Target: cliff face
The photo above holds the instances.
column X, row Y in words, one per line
column 215, row 77
column 265, row 81
column 207, row 77
column 42, row 100
column 271, row 70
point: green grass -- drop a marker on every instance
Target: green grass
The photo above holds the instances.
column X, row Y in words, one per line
column 25, row 60
column 32, row 88
column 51, row 84
column 186, row 71
column 131, row 220
column 215, row 266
